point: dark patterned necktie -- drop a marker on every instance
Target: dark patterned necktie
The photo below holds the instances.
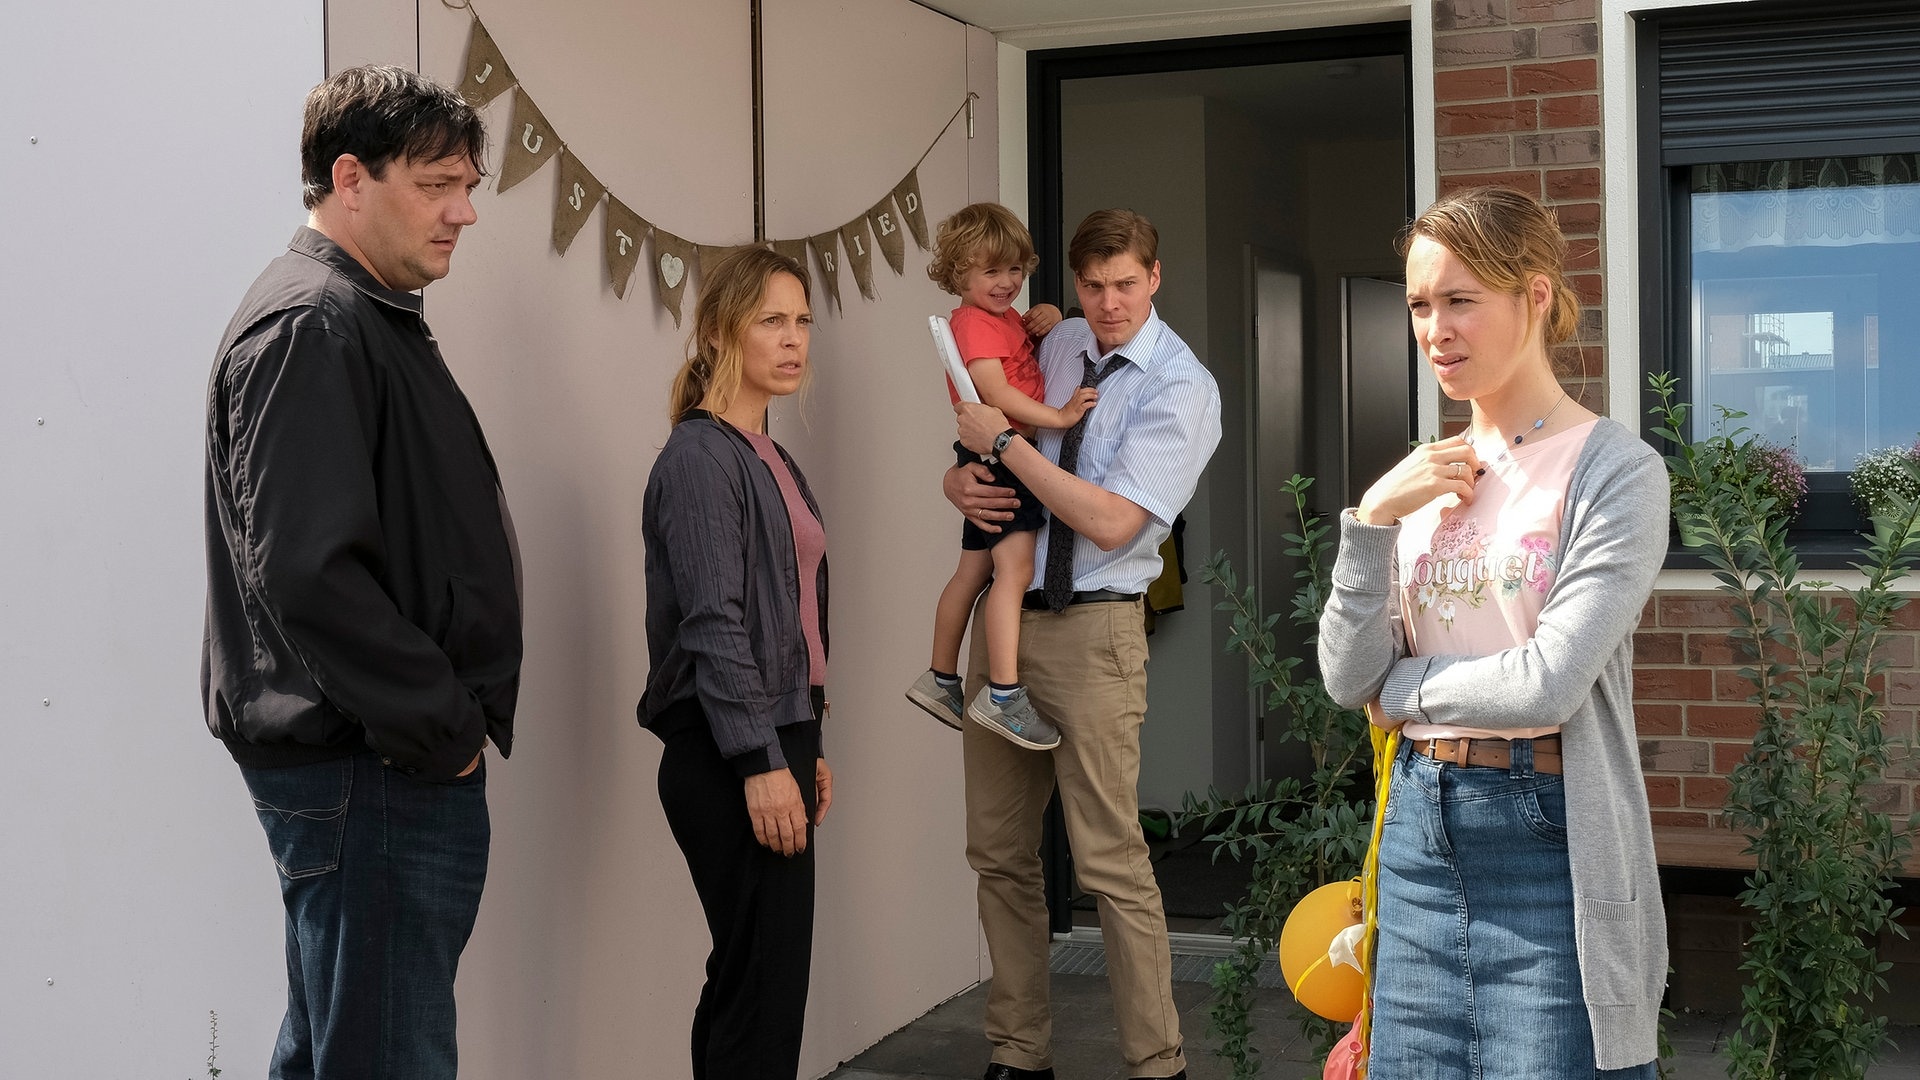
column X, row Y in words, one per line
column 1058, row 583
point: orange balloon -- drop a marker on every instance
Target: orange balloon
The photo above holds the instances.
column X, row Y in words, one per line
column 1332, row 990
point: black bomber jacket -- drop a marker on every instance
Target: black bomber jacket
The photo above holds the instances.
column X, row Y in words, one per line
column 362, row 583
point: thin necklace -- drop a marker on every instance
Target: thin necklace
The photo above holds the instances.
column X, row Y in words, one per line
column 1542, row 422
column 1522, row 437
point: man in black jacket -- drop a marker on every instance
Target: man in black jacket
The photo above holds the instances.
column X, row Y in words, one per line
column 363, row 608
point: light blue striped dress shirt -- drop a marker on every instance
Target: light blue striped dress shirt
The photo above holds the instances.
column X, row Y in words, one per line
column 1156, row 425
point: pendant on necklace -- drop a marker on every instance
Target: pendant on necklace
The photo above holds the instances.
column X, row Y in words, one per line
column 1542, row 422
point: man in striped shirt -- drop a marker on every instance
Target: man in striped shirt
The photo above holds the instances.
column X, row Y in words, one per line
column 1113, row 485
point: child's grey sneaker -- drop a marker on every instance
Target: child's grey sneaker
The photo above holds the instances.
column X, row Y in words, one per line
column 1014, row 720
column 944, row 703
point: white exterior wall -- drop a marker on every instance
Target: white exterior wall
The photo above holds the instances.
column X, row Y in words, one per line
column 139, row 195
column 138, row 881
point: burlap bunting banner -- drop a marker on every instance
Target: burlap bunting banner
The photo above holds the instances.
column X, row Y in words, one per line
column 826, row 250
column 673, row 260
column 530, row 141
column 853, row 236
column 793, row 249
column 885, row 224
column 577, row 195
column 626, row 232
column 906, row 195
column 488, row 75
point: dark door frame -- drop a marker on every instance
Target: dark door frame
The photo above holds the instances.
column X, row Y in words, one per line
column 1046, row 70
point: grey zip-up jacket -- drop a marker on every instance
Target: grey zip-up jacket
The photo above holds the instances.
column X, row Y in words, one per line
column 1576, row 672
column 723, row 595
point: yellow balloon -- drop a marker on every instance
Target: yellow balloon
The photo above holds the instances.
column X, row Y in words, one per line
column 1332, row 990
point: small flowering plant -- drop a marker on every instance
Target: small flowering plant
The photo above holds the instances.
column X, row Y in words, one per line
column 1768, row 479
column 1880, row 475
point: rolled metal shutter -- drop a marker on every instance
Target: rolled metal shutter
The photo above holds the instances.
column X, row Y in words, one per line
column 1801, row 80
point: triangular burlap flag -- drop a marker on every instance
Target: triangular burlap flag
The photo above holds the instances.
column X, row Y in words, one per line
column 826, row 250
column 907, row 195
column 859, row 254
column 579, row 194
column 488, row 75
column 673, row 260
column 709, row 254
column 530, row 142
column 885, row 222
column 795, row 250
column 626, row 232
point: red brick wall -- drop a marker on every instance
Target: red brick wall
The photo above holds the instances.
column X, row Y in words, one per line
column 1696, row 723
column 1517, row 103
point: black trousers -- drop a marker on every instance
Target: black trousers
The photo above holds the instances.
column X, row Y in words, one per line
column 758, row 903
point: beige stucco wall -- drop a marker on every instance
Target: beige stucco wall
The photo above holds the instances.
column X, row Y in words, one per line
column 588, row 954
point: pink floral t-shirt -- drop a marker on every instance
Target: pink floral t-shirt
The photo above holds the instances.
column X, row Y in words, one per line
column 1474, row 577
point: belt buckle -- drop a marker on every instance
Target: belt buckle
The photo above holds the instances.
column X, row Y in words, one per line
column 1456, row 755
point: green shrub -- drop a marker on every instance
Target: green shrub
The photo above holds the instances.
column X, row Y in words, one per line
column 1300, row 834
column 1824, row 858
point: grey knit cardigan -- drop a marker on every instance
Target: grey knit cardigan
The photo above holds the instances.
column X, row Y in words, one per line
column 1576, row 672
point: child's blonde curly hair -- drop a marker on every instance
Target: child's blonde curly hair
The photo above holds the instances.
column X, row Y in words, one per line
column 984, row 234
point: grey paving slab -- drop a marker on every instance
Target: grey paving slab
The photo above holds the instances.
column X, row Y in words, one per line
column 946, row 1043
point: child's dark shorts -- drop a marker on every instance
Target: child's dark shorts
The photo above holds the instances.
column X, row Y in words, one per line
column 1029, row 516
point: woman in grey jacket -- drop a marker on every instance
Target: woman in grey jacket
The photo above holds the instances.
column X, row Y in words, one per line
column 1484, row 600
column 736, row 631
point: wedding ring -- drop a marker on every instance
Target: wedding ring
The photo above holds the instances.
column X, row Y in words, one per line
column 1458, row 468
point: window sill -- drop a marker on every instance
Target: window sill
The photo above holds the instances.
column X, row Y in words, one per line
column 1818, row 549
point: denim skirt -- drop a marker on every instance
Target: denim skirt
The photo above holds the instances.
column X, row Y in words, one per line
column 1475, row 974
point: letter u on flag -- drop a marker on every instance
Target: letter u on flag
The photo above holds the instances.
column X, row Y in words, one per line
column 530, row 142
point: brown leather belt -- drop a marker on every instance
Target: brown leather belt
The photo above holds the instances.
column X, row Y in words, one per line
column 1492, row 753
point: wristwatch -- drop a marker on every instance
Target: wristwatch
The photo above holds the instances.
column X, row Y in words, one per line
column 1001, row 440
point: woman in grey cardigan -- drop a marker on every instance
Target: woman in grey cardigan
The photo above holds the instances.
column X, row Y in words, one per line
column 1484, row 601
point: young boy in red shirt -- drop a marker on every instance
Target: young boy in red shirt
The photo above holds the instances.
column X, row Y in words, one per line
column 983, row 254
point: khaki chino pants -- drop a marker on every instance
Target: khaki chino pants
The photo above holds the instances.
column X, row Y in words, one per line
column 1085, row 670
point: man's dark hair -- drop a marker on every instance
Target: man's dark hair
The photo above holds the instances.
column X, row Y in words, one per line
column 380, row 113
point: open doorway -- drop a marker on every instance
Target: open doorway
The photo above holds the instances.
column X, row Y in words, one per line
column 1276, row 168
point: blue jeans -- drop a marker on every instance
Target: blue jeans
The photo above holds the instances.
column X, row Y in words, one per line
column 1476, row 974
column 381, row 876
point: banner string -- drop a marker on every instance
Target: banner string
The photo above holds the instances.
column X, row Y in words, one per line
column 970, row 99
column 537, row 142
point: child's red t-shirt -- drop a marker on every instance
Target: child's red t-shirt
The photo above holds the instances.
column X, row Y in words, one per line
column 983, row 336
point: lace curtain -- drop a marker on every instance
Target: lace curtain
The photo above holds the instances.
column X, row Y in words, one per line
column 1814, row 202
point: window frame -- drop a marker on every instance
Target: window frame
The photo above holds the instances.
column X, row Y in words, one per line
column 1827, row 533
